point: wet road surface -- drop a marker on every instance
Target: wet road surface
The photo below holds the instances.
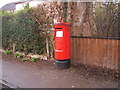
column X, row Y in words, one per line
column 46, row 76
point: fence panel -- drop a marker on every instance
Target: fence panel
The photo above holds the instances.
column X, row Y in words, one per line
column 94, row 51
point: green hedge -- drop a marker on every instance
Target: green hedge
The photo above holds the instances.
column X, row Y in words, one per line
column 20, row 30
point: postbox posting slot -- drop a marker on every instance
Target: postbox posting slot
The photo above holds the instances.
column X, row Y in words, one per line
column 58, row 28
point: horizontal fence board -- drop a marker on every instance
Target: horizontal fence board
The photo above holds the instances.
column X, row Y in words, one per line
column 93, row 51
column 117, row 38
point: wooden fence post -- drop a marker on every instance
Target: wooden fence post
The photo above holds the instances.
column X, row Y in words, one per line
column 14, row 48
column 47, row 48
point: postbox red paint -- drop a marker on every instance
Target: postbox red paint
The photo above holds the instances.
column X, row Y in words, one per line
column 62, row 41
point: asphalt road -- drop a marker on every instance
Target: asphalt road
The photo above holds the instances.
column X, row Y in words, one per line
column 44, row 75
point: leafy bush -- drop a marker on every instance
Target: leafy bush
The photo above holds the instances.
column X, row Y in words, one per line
column 19, row 29
column 33, row 59
column 18, row 55
column 25, row 59
column 8, row 52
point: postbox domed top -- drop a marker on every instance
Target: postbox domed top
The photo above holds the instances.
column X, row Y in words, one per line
column 63, row 23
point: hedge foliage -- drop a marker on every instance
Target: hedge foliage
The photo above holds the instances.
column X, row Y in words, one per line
column 20, row 30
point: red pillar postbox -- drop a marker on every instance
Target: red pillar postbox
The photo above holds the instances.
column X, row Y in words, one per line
column 62, row 44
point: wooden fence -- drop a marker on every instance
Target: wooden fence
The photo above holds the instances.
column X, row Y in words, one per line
column 93, row 51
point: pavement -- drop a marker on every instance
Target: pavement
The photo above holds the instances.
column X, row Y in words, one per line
column 27, row 75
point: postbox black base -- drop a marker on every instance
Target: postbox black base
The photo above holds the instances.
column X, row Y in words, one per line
column 62, row 64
